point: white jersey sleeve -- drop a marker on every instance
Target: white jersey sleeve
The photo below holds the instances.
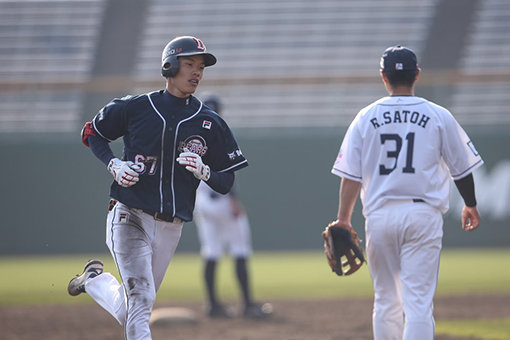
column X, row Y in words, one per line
column 457, row 149
column 348, row 160
column 405, row 148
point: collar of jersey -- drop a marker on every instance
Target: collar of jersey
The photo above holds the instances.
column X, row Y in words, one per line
column 396, row 100
column 173, row 100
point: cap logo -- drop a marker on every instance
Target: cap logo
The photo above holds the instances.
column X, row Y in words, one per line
column 200, row 44
column 399, row 66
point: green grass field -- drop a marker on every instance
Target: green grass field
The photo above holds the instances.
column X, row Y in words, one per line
column 281, row 275
column 274, row 275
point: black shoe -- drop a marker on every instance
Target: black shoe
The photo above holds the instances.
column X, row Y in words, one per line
column 219, row 311
column 92, row 269
column 256, row 311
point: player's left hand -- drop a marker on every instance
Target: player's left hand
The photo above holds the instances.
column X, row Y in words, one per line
column 194, row 164
column 470, row 218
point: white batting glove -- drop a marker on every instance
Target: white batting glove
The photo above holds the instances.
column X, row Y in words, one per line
column 125, row 173
column 194, row 164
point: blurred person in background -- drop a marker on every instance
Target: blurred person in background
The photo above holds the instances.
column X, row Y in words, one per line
column 222, row 225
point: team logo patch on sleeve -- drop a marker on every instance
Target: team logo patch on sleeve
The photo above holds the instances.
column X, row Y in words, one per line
column 234, row 154
column 472, row 148
column 206, row 124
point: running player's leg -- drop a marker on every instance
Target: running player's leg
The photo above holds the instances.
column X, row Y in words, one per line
column 163, row 249
column 105, row 289
column 131, row 248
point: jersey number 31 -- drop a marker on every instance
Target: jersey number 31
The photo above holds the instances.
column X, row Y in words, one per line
column 383, row 170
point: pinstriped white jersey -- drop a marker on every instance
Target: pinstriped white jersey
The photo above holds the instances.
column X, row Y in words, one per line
column 404, row 148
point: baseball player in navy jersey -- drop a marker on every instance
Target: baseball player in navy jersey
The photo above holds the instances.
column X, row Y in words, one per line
column 223, row 225
column 401, row 152
column 172, row 142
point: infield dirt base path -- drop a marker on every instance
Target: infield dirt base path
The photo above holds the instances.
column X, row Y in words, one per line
column 348, row 319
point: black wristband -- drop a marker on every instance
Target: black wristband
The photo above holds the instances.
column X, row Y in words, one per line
column 466, row 187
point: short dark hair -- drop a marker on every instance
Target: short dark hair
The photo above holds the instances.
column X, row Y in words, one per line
column 401, row 78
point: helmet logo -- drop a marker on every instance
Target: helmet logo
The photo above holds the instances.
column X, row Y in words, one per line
column 200, row 44
column 174, row 51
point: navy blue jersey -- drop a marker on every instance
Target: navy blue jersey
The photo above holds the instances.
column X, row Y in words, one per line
column 156, row 127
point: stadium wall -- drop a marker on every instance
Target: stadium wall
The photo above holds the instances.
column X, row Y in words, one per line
column 54, row 192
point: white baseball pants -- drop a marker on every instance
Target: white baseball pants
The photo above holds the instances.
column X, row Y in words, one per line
column 403, row 250
column 142, row 248
column 223, row 232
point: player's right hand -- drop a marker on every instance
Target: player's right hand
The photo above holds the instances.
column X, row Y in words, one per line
column 194, row 164
column 125, row 173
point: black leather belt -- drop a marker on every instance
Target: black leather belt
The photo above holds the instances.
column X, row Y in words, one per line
column 157, row 215
column 418, row 200
column 163, row 216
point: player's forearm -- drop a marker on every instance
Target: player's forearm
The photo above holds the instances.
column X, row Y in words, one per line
column 101, row 149
column 348, row 194
column 466, row 187
column 221, row 182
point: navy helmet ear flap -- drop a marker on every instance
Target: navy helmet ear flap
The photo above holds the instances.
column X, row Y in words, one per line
column 170, row 66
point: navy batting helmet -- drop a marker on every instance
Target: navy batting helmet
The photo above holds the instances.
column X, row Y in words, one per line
column 213, row 101
column 179, row 47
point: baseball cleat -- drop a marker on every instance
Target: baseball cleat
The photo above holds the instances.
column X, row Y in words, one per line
column 77, row 285
column 219, row 311
column 256, row 311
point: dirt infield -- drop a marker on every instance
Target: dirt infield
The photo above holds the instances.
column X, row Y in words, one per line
column 292, row 320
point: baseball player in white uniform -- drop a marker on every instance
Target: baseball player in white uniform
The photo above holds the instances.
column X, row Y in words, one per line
column 401, row 151
column 223, row 226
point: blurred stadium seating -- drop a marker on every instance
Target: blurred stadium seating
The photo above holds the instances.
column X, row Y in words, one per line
column 290, row 62
column 46, row 49
column 281, row 62
column 487, row 56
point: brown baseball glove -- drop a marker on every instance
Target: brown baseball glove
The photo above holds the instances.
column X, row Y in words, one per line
column 342, row 249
